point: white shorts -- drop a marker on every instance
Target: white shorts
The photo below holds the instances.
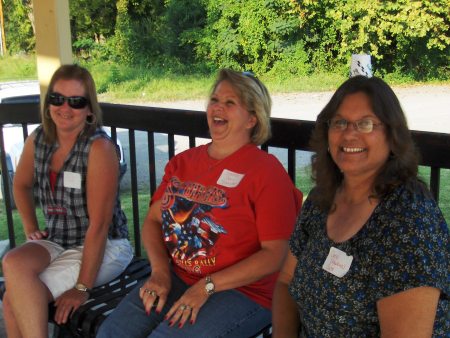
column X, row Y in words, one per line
column 62, row 273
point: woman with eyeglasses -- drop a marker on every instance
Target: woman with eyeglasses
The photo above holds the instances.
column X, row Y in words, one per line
column 370, row 253
column 73, row 167
column 217, row 228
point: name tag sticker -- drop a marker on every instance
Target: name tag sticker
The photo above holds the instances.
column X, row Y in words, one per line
column 56, row 210
column 72, row 180
column 338, row 262
column 229, row 179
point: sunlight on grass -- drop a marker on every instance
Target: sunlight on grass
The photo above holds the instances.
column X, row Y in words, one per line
column 444, row 191
column 18, row 68
column 303, row 182
column 137, row 84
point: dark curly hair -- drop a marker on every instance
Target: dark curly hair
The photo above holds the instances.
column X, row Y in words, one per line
column 402, row 164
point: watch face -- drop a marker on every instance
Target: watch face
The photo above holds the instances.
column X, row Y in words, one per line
column 209, row 287
column 81, row 287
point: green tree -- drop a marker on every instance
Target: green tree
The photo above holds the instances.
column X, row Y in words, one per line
column 405, row 35
column 184, row 20
column 19, row 30
column 138, row 30
column 92, row 24
column 249, row 35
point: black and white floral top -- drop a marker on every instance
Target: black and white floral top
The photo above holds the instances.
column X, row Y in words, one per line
column 403, row 245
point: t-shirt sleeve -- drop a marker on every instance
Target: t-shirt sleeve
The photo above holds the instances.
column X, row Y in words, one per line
column 277, row 203
column 414, row 249
column 169, row 171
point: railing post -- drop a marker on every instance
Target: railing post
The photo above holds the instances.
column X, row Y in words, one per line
column 151, row 161
column 291, row 164
column 6, row 192
column 134, row 192
column 435, row 178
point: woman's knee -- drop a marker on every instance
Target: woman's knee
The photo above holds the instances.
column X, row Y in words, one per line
column 25, row 259
column 11, row 261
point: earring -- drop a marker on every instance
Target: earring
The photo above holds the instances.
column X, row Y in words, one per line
column 91, row 119
column 47, row 115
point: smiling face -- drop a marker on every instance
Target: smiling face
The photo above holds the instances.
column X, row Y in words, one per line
column 358, row 154
column 230, row 123
column 68, row 119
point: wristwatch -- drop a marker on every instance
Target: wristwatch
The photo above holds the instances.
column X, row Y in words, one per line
column 209, row 286
column 82, row 287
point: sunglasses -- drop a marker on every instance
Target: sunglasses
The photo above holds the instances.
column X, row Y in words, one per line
column 252, row 76
column 75, row 102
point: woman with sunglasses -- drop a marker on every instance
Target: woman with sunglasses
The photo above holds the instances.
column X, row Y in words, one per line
column 217, row 228
column 370, row 253
column 73, row 166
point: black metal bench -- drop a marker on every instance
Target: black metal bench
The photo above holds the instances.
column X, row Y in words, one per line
column 85, row 322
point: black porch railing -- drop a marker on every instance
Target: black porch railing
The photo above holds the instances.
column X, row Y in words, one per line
column 292, row 135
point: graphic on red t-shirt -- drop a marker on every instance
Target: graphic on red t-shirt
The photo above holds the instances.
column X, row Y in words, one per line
column 189, row 229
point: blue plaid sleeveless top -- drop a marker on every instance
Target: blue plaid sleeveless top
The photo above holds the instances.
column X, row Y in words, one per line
column 65, row 209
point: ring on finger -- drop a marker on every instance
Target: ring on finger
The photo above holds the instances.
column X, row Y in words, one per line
column 150, row 292
column 185, row 307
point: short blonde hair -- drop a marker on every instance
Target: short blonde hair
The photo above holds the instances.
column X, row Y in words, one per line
column 254, row 96
column 72, row 72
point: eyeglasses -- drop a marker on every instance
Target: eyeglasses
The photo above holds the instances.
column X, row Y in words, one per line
column 75, row 102
column 363, row 126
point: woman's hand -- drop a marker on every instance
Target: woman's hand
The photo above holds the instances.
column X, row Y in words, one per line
column 188, row 305
column 38, row 234
column 68, row 303
column 155, row 290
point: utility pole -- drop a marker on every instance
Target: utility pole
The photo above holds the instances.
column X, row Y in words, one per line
column 2, row 31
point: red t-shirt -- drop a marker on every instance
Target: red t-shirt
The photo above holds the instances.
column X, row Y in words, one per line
column 216, row 212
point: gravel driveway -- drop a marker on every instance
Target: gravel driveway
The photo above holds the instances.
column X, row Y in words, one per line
column 426, row 107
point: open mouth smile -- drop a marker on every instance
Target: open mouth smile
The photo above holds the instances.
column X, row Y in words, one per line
column 352, row 150
column 219, row 121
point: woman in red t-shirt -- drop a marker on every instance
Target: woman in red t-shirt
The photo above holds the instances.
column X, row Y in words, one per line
column 217, row 228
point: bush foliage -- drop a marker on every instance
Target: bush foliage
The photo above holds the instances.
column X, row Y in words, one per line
column 282, row 37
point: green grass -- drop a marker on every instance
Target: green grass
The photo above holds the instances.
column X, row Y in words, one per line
column 19, row 67
column 143, row 201
column 137, row 84
column 444, row 191
column 305, row 184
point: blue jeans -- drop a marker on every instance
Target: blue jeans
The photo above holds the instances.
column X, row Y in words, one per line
column 225, row 314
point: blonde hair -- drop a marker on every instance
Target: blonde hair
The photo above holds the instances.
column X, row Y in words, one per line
column 254, row 96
